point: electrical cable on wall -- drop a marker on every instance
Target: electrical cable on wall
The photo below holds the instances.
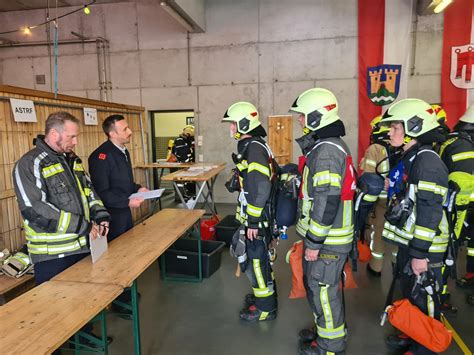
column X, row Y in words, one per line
column 56, row 54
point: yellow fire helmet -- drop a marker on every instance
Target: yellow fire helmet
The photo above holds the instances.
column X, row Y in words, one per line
column 189, row 130
column 440, row 113
column 379, row 131
column 417, row 117
column 245, row 115
column 319, row 107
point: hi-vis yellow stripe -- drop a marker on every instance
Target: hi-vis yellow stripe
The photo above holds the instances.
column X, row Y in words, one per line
column 432, row 187
column 463, row 156
column 52, row 170
column 325, row 177
column 259, row 167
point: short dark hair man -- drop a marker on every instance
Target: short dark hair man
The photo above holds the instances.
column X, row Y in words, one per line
column 59, row 206
column 111, row 173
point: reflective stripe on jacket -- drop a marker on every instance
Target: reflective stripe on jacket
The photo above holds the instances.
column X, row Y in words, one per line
column 57, row 203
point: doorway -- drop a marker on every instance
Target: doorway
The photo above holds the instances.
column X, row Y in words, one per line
column 165, row 127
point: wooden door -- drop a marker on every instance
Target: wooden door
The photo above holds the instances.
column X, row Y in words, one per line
column 280, row 137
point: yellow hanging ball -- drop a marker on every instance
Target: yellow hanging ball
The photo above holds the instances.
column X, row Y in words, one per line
column 87, row 11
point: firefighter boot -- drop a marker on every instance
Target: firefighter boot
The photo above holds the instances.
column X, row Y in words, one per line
column 466, row 281
column 249, row 300
column 398, row 342
column 312, row 348
column 253, row 314
column 470, row 299
column 307, row 335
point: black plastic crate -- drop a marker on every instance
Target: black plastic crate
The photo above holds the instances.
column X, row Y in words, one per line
column 226, row 228
column 182, row 257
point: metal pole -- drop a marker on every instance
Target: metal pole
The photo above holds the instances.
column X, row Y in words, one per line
column 145, row 152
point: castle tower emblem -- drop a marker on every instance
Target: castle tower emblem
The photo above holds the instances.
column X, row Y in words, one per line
column 383, row 83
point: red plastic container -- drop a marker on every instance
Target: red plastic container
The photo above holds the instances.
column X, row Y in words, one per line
column 208, row 228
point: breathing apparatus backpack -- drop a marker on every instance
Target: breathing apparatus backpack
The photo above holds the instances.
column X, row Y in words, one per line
column 400, row 195
column 283, row 201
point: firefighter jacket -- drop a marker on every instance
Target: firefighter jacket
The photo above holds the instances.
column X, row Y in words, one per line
column 57, row 203
column 375, row 161
column 458, row 155
column 425, row 230
column 183, row 149
column 112, row 175
column 325, row 217
column 457, row 152
column 257, row 175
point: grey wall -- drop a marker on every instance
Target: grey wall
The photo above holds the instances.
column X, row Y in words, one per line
column 263, row 51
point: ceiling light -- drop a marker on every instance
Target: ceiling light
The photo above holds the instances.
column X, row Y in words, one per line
column 441, row 6
column 172, row 12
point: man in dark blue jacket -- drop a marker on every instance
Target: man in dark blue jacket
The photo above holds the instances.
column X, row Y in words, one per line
column 111, row 172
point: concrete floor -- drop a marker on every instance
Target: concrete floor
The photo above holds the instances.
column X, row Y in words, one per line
column 187, row 318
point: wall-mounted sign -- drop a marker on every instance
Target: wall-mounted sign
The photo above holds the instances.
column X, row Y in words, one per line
column 90, row 116
column 23, row 110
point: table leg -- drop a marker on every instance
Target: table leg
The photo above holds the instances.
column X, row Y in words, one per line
column 180, row 195
column 136, row 319
column 159, row 185
column 100, row 345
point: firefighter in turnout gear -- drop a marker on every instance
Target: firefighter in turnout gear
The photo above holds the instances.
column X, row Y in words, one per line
column 415, row 218
column 182, row 151
column 457, row 152
column 446, row 307
column 375, row 166
column 325, row 216
column 59, row 206
column 256, row 172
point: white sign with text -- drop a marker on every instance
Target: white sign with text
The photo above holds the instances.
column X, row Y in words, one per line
column 23, row 110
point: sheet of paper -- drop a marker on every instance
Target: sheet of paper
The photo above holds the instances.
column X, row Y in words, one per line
column 148, row 194
column 194, row 171
column 98, row 247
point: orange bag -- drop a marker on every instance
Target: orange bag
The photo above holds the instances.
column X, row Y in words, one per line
column 423, row 329
column 364, row 252
column 294, row 257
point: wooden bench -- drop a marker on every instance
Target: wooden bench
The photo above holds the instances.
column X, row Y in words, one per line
column 132, row 253
column 41, row 320
column 12, row 287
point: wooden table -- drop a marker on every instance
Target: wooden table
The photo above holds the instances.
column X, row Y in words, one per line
column 206, row 178
column 39, row 321
column 11, row 286
column 134, row 251
column 160, row 167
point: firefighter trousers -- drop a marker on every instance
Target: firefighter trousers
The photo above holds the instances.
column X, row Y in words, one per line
column 321, row 279
column 260, row 274
column 378, row 247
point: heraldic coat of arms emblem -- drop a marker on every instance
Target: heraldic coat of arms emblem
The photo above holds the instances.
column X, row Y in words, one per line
column 383, row 83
